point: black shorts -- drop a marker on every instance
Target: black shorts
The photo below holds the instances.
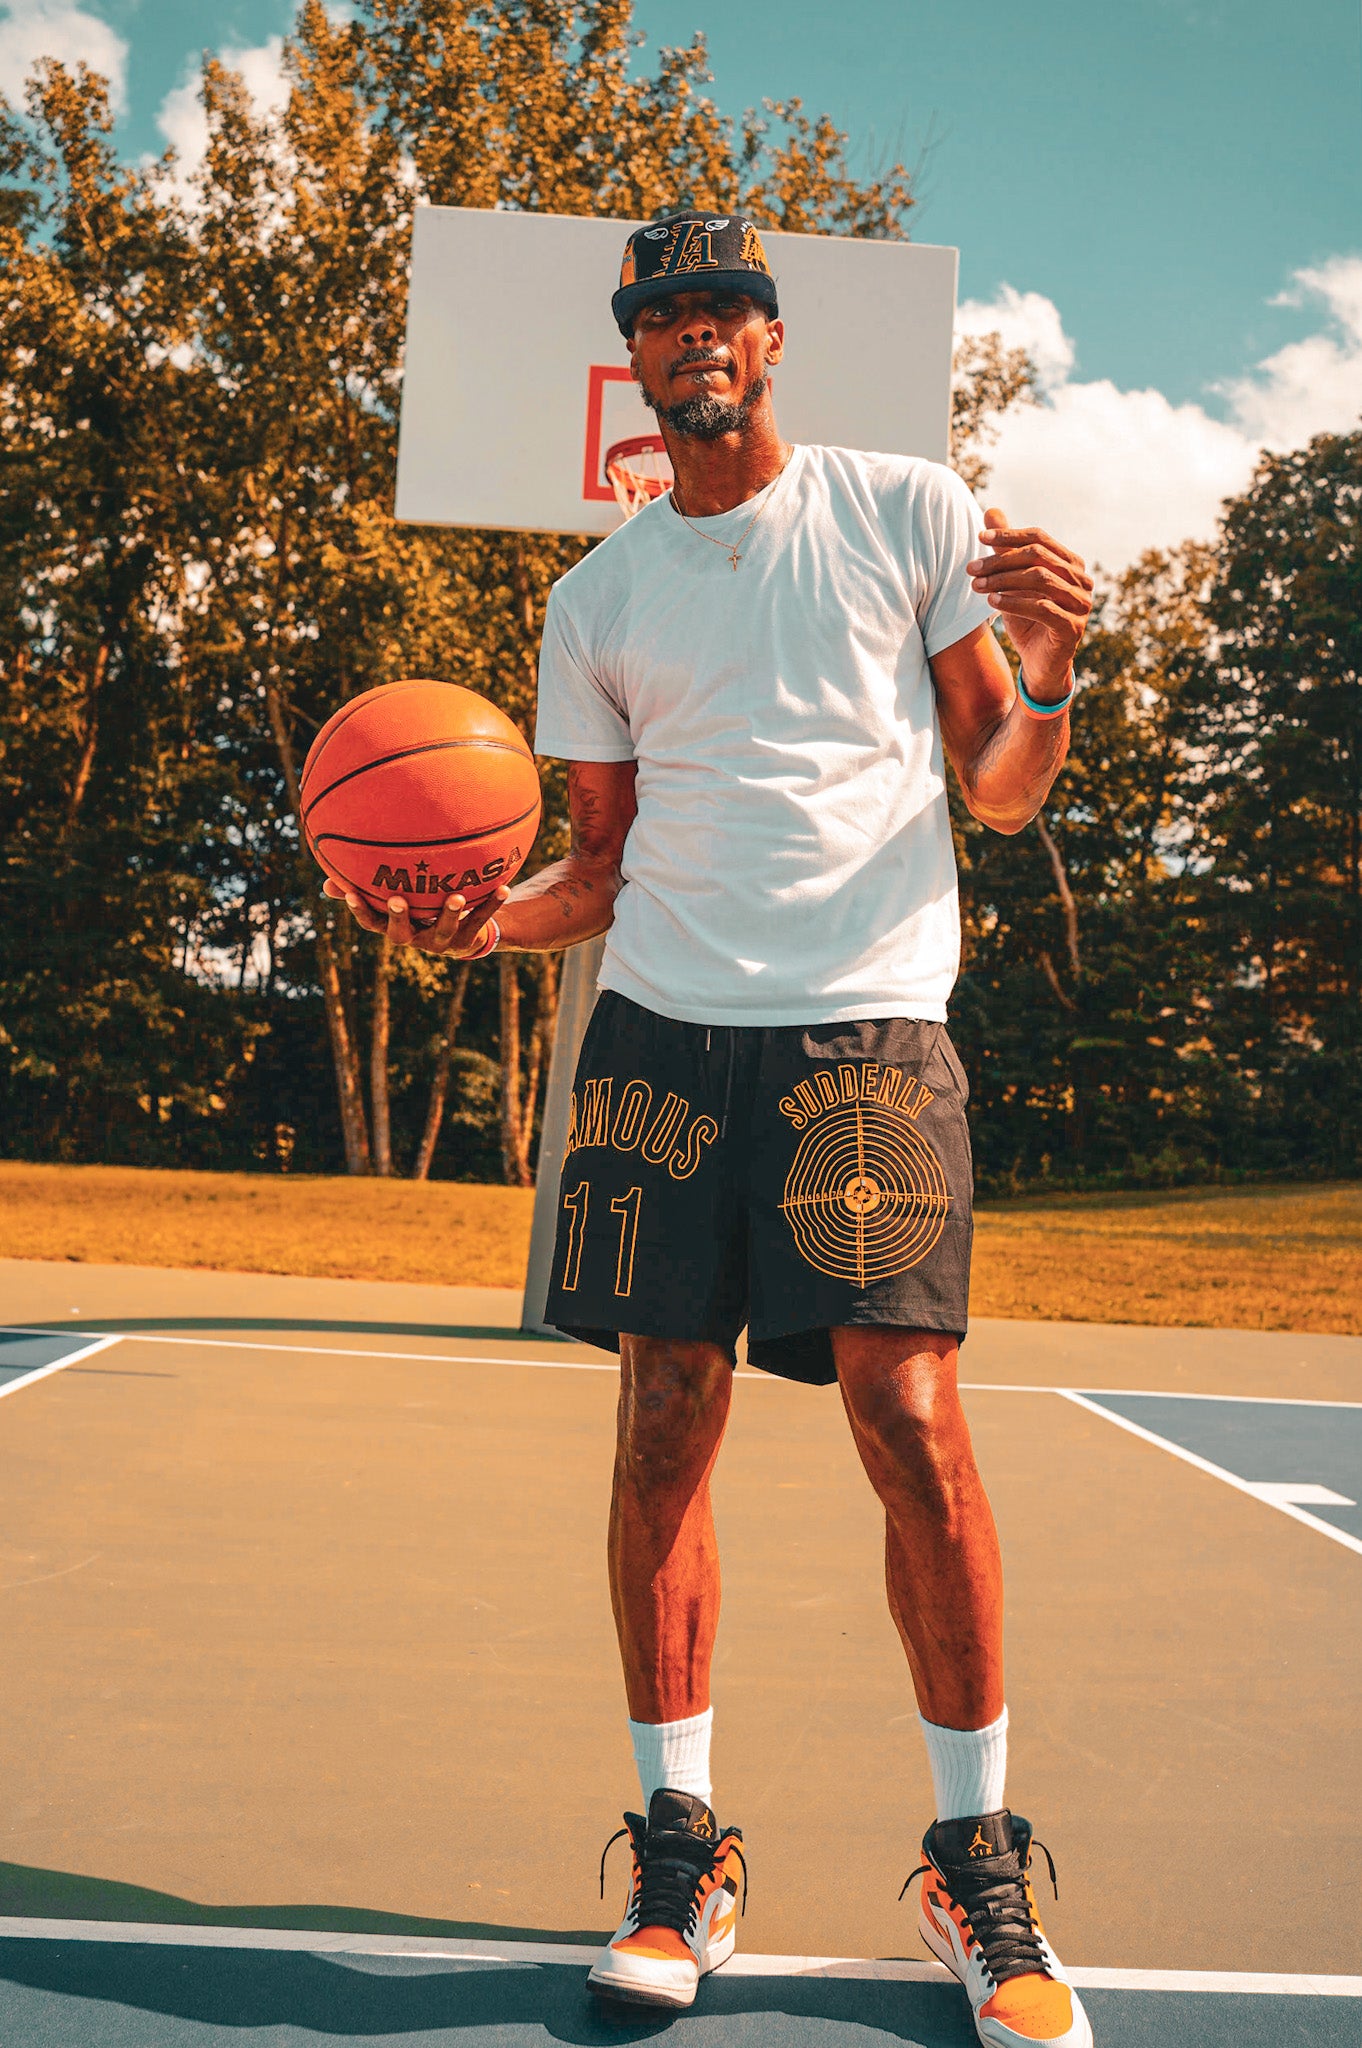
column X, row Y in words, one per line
column 793, row 1179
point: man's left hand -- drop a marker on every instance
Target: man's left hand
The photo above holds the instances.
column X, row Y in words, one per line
column 1043, row 592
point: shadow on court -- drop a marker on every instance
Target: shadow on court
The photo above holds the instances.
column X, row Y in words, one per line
column 382, row 1996
column 30, row 1893
column 48, row 1990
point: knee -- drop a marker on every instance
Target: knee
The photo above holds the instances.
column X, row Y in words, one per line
column 910, row 1430
column 673, row 1405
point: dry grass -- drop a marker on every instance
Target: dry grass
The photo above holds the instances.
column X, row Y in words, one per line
column 336, row 1229
column 1269, row 1259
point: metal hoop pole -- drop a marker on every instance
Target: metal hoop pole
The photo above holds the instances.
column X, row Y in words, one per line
column 576, row 1000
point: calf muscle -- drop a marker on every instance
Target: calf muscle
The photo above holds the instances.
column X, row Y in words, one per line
column 663, row 1553
column 943, row 1570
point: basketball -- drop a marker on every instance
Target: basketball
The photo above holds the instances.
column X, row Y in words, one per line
column 421, row 790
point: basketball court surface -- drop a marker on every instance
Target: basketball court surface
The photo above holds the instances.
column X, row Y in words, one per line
column 314, row 1730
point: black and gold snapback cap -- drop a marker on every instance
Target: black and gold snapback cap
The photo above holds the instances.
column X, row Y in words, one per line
column 691, row 251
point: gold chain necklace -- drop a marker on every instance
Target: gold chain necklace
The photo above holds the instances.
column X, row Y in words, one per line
column 733, row 548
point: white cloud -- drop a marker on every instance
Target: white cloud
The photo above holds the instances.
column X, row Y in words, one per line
column 1024, row 320
column 1114, row 472
column 181, row 118
column 1312, row 386
column 30, row 29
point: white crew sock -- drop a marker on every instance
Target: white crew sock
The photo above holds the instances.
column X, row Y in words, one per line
column 675, row 1754
column 969, row 1767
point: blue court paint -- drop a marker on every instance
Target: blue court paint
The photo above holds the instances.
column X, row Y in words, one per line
column 25, row 1356
column 1279, row 1442
column 21, row 1354
column 59, row 1994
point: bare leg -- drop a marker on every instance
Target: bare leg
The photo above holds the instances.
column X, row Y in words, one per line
column 664, row 1559
column 942, row 1565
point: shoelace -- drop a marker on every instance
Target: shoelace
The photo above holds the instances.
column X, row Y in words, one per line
column 1000, row 1923
column 671, row 1876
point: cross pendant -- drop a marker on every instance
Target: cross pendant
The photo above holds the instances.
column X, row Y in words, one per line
column 734, row 559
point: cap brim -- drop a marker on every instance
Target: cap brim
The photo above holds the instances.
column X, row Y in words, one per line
column 627, row 304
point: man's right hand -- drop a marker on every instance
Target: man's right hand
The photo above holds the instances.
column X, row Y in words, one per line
column 560, row 905
column 458, row 933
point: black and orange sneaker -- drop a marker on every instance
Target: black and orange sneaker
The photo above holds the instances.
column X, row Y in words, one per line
column 978, row 1916
column 681, row 1919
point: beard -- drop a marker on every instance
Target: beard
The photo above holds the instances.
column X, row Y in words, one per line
column 708, row 419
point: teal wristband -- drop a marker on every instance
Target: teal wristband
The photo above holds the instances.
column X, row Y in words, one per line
column 1037, row 710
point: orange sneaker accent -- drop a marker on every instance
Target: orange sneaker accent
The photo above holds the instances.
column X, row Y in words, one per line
column 662, row 1943
column 723, row 1923
column 1035, row 2007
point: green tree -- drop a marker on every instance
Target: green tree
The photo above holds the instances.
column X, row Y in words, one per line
column 199, row 562
column 1281, row 710
column 112, row 792
column 1084, row 982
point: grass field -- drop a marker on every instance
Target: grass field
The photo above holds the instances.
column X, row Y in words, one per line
column 1270, row 1258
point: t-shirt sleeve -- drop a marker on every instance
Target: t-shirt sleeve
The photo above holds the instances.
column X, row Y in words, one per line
column 578, row 719
column 946, row 527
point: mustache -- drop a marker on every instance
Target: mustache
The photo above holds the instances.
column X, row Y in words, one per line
column 696, row 357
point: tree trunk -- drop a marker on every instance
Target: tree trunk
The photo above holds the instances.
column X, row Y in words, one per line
column 344, row 1051
column 541, row 1039
column 514, row 1166
column 344, row 1044
column 85, row 766
column 1066, row 895
column 439, row 1087
column 378, row 1059
column 520, row 1092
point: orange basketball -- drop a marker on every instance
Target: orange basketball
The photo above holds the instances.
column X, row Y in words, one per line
column 421, row 790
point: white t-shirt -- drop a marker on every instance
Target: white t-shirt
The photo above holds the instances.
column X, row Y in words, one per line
column 791, row 862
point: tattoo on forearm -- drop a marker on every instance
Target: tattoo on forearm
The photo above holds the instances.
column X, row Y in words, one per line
column 1015, row 769
column 567, row 894
column 584, row 809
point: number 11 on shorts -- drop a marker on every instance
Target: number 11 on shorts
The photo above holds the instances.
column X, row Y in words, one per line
column 626, row 1207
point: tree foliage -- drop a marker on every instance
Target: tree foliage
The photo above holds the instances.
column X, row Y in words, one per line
column 1161, row 977
column 199, row 378
column 198, row 561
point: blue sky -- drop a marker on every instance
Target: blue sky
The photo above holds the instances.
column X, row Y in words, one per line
column 1156, row 168
column 1147, row 178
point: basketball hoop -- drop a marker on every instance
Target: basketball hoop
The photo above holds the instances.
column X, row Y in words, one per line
column 639, row 470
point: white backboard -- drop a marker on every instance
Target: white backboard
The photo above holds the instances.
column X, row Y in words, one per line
column 517, row 378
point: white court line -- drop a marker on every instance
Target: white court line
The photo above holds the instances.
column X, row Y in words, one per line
column 571, row 1954
column 1247, row 1486
column 210, row 1342
column 42, row 1372
column 1161, row 1394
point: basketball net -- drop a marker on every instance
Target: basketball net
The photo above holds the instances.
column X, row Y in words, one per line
column 639, row 470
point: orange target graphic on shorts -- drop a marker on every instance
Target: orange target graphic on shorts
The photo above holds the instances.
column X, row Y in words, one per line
column 865, row 1197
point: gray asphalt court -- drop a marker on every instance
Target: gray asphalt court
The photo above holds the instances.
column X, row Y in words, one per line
column 143, row 1451
column 73, row 1994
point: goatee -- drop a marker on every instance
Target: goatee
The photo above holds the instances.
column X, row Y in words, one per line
column 709, row 419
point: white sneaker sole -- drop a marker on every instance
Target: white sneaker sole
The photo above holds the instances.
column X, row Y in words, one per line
column 665, row 1984
column 991, row 2032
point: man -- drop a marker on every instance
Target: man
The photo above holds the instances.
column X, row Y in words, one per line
column 755, row 683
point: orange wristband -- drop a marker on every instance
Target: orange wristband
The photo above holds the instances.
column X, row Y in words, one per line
column 491, row 937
